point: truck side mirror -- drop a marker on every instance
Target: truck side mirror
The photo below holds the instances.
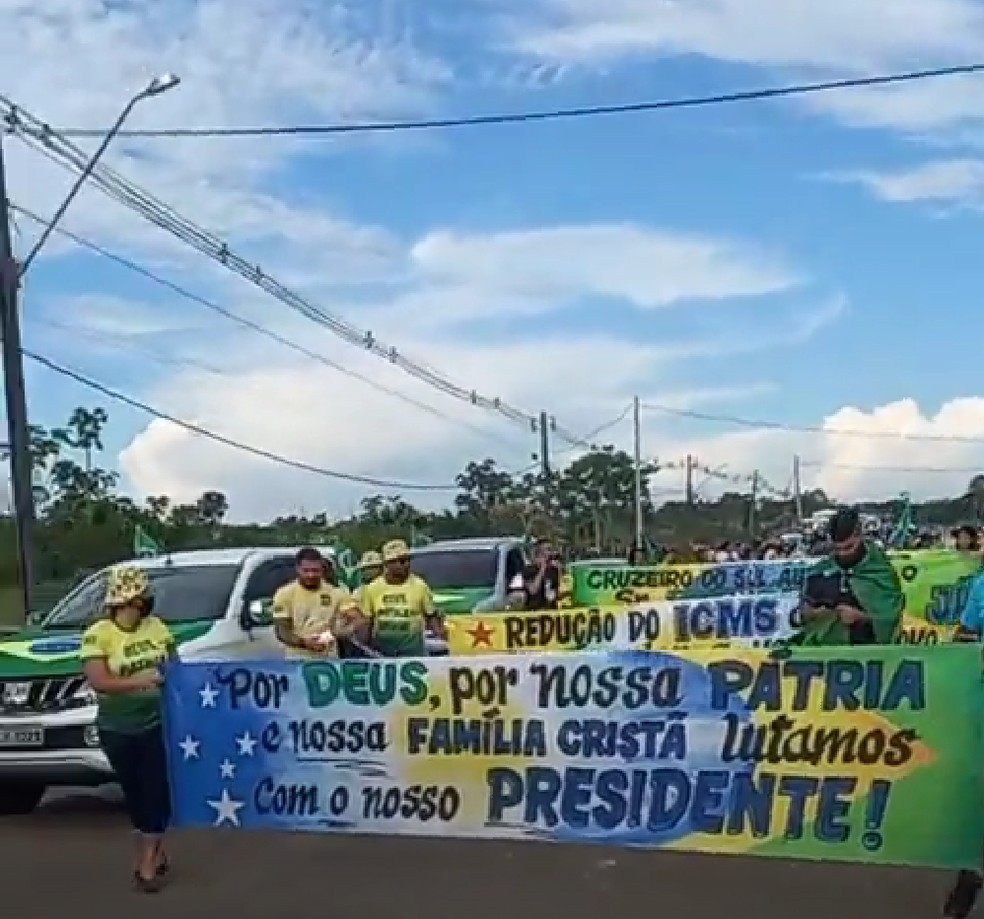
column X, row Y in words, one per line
column 257, row 614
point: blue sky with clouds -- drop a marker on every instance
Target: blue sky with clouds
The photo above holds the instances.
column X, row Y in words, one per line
column 810, row 261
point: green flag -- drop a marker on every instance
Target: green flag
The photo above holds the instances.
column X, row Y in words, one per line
column 144, row 546
column 346, row 564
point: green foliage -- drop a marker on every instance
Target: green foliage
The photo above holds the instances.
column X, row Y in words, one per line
column 84, row 522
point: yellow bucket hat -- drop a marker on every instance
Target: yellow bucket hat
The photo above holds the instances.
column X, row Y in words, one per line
column 126, row 584
column 371, row 560
column 395, row 550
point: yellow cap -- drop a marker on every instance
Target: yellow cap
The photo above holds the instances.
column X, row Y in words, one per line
column 126, row 584
column 370, row 560
column 394, row 550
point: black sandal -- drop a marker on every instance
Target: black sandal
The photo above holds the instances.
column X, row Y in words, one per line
column 147, row 885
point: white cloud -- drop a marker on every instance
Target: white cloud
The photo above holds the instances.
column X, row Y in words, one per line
column 797, row 38
column 854, row 35
column 641, row 265
column 955, row 181
column 876, row 463
column 306, row 412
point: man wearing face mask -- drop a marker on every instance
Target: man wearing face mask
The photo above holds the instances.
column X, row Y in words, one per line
column 853, row 596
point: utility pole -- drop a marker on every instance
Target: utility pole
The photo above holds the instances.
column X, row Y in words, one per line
column 11, row 273
column 544, row 445
column 637, row 443
column 690, row 480
column 753, row 505
column 797, row 489
column 18, row 432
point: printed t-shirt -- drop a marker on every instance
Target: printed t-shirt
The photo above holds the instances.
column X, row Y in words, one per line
column 309, row 612
column 128, row 652
column 398, row 613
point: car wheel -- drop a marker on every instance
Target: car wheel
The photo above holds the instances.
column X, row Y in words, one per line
column 18, row 798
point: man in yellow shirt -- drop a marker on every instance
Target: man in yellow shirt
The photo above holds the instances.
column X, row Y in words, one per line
column 305, row 610
column 400, row 606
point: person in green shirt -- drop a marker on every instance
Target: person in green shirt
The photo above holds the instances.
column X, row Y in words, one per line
column 123, row 656
column 853, row 596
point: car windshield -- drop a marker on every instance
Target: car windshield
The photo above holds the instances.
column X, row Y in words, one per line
column 181, row 594
column 456, row 568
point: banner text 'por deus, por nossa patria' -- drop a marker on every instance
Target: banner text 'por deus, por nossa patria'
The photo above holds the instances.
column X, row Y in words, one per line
column 826, row 755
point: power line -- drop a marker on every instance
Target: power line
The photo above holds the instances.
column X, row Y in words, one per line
column 243, row 322
column 121, row 343
column 42, row 138
column 808, row 429
column 227, row 441
column 555, row 114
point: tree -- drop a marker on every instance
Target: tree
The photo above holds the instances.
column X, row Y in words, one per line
column 84, row 432
column 212, row 507
column 975, row 492
column 84, row 523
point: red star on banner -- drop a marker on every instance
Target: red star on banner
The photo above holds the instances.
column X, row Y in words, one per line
column 481, row 635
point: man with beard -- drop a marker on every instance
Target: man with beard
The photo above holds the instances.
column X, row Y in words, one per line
column 304, row 610
column 853, row 596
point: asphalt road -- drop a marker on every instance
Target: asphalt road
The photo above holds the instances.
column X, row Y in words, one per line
column 73, row 856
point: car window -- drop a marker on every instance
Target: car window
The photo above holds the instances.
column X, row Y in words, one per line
column 82, row 605
column 515, row 565
column 181, row 594
column 268, row 578
column 457, row 568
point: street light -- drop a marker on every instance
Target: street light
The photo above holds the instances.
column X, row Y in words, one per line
column 19, row 442
column 155, row 87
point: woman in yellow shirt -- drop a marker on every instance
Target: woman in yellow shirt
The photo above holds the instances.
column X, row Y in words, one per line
column 123, row 655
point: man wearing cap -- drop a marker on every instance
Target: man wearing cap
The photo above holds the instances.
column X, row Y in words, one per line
column 853, row 596
column 370, row 568
column 399, row 605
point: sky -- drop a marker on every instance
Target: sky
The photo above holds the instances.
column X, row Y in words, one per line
column 812, row 262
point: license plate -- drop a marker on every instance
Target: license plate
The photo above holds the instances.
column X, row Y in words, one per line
column 21, row 737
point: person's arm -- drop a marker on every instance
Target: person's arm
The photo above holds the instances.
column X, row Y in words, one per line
column 972, row 616
column 534, row 583
column 95, row 656
column 433, row 620
column 283, row 625
column 810, row 613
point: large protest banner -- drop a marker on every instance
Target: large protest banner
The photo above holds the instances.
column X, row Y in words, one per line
column 935, row 584
column 857, row 754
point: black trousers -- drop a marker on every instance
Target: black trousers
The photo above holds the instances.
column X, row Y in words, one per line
column 140, row 764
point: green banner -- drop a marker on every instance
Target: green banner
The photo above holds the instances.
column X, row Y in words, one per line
column 935, row 583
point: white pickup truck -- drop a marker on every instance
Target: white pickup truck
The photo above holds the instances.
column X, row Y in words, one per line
column 215, row 603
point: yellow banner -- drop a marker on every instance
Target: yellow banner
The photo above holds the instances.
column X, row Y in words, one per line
column 721, row 622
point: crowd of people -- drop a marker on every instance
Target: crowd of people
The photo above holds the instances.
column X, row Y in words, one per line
column 852, row 596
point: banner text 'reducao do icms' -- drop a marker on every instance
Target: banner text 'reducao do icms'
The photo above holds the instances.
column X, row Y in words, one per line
column 867, row 755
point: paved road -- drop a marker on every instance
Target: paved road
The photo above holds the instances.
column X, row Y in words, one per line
column 72, row 856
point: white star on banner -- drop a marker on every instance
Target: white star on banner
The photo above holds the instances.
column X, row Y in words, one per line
column 246, row 744
column 226, row 809
column 227, row 769
column 189, row 746
column 208, row 694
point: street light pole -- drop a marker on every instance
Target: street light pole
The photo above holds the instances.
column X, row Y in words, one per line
column 18, row 429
